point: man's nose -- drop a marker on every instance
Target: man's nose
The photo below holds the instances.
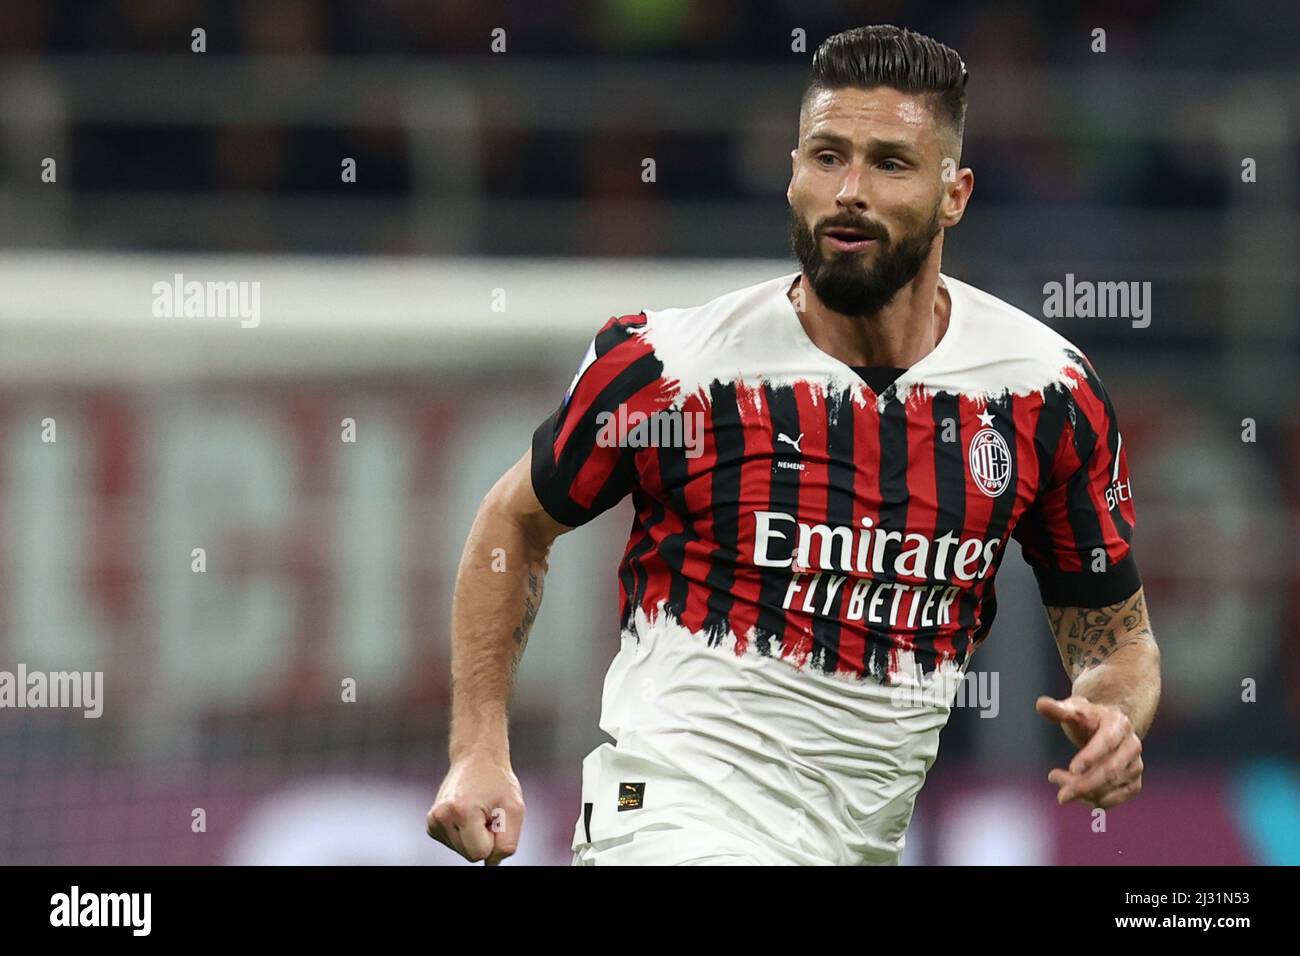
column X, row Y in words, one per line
column 853, row 193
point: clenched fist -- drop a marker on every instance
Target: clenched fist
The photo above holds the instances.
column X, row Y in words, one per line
column 479, row 810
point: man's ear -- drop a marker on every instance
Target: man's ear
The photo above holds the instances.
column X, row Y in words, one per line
column 794, row 162
column 958, row 187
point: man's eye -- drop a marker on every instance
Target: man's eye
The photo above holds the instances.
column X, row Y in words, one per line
column 890, row 165
column 822, row 156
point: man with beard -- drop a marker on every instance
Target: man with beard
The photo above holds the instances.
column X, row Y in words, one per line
column 800, row 600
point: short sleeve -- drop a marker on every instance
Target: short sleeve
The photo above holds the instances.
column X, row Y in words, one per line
column 577, row 471
column 1077, row 535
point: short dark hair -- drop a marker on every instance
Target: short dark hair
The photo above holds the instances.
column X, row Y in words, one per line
column 867, row 57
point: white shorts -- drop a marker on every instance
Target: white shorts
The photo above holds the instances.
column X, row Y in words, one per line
column 665, row 844
column 670, row 819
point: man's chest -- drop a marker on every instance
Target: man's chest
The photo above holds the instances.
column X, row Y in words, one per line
column 927, row 462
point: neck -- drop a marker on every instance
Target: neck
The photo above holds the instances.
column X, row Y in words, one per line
column 899, row 335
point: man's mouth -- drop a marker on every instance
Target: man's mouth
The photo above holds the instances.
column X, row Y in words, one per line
column 848, row 239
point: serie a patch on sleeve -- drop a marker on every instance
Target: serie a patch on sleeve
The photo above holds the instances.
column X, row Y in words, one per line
column 631, row 796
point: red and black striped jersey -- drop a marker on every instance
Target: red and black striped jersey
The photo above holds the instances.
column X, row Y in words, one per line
column 782, row 504
column 811, row 564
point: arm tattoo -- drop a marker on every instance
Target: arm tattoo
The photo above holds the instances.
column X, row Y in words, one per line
column 1087, row 636
column 532, row 603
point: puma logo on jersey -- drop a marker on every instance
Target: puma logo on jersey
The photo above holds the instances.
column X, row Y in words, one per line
column 792, row 442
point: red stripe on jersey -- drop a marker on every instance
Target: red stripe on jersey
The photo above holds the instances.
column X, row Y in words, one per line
column 866, row 504
column 1055, row 507
column 698, row 495
column 979, row 507
column 591, row 476
column 657, row 578
column 755, row 486
column 922, row 507
column 597, row 378
column 1102, row 473
column 1027, row 411
column 922, row 483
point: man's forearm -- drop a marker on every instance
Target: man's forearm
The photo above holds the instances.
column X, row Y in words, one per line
column 1129, row 679
column 1111, row 656
column 498, row 593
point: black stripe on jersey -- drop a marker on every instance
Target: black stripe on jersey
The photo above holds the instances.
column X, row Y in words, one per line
column 1047, row 438
column 617, row 333
column 950, row 492
column 672, row 478
column 729, row 445
column 1086, row 589
column 643, row 547
column 1088, row 527
column 1078, row 494
column 839, row 512
column 632, row 574
column 1003, row 411
column 1047, row 432
column 784, row 497
column 1112, row 440
column 552, row 480
column 893, row 515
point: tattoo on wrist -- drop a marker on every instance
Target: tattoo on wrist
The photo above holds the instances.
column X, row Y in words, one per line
column 1087, row 636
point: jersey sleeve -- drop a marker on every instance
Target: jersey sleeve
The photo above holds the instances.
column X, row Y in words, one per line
column 579, row 469
column 1077, row 535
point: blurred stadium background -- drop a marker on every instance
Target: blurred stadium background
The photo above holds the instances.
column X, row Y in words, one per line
column 521, row 172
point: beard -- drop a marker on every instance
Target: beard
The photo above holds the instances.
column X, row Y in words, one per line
column 842, row 282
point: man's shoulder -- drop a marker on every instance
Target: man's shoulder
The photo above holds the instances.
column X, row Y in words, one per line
column 726, row 318
column 1007, row 326
column 742, row 335
column 1004, row 348
column 746, row 302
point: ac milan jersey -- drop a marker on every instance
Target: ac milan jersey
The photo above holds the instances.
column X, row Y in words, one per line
column 811, row 564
